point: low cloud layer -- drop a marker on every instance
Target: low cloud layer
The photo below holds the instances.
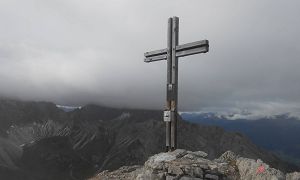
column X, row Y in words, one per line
column 76, row 52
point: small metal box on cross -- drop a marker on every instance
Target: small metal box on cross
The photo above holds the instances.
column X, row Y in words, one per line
column 171, row 54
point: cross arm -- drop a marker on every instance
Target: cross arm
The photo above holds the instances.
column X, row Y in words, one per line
column 192, row 48
column 156, row 55
column 181, row 51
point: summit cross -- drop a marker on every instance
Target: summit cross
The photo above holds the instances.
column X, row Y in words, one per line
column 171, row 54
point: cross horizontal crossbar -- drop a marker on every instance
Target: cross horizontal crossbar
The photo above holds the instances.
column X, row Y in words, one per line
column 181, row 51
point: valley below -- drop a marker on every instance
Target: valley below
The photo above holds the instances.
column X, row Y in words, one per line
column 40, row 141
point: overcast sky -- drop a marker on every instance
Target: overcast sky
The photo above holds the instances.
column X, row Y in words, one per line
column 75, row 52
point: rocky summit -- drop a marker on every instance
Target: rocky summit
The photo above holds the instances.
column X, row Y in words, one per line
column 187, row 165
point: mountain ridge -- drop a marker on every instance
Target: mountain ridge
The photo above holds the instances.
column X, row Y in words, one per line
column 95, row 138
column 277, row 134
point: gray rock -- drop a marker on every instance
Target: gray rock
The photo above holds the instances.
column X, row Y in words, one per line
column 178, row 153
column 193, row 171
column 228, row 156
column 293, row 176
column 150, row 176
column 200, row 154
column 189, row 178
column 211, row 176
column 190, row 156
column 156, row 162
column 250, row 169
column 175, row 170
column 171, row 178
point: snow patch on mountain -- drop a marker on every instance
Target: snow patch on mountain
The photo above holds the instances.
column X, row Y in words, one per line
column 67, row 108
column 244, row 115
column 253, row 110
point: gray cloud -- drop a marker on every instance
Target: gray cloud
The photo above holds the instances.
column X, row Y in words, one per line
column 75, row 52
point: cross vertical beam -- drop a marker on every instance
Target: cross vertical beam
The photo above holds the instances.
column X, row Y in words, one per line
column 174, row 74
column 171, row 54
column 169, row 81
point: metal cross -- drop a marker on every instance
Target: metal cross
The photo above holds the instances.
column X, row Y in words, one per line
column 171, row 54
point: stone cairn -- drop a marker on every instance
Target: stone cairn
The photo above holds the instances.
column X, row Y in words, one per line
column 186, row 165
